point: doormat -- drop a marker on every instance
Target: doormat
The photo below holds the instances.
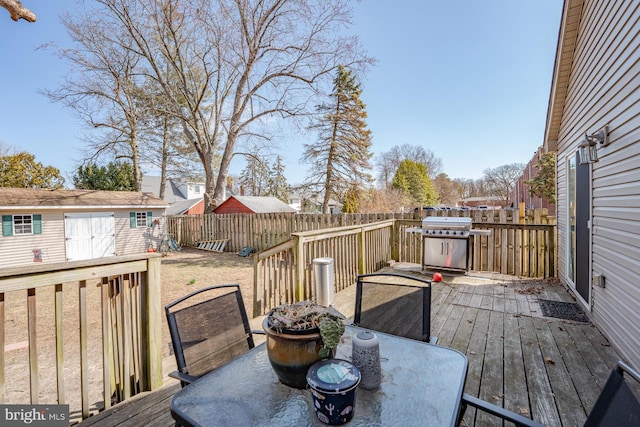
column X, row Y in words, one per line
column 562, row 310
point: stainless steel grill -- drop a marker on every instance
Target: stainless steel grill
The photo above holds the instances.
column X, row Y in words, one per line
column 445, row 242
column 457, row 227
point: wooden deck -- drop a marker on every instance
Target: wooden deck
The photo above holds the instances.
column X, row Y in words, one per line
column 548, row 368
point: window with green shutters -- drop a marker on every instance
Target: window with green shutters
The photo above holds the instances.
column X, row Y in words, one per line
column 140, row 219
column 21, row 224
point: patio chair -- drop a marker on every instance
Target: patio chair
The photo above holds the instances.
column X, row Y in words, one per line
column 208, row 328
column 394, row 303
column 617, row 405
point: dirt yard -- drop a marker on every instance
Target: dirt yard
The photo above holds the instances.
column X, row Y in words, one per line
column 192, row 269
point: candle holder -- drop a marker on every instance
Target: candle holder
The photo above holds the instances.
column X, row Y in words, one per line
column 366, row 357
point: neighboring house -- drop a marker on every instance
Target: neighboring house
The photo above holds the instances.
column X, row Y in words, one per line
column 312, row 204
column 520, row 192
column 295, row 201
column 174, row 189
column 70, row 225
column 252, row 204
column 596, row 83
column 186, row 207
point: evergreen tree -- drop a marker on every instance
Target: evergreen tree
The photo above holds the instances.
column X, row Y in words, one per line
column 115, row 176
column 352, row 200
column 278, row 182
column 413, row 180
column 544, row 183
column 339, row 159
column 255, row 176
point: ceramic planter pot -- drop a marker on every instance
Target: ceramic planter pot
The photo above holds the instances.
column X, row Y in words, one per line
column 291, row 353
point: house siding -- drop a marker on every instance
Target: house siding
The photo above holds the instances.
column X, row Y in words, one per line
column 604, row 89
column 131, row 241
column 232, row 205
column 18, row 250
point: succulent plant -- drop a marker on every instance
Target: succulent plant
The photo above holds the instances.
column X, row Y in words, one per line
column 307, row 315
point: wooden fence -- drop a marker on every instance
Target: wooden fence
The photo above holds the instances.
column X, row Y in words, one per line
column 263, row 231
column 284, row 273
column 524, row 250
column 51, row 315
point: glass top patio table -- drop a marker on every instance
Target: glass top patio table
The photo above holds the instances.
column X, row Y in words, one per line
column 422, row 385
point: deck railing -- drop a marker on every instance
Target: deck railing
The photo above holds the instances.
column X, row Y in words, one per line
column 283, row 273
column 53, row 315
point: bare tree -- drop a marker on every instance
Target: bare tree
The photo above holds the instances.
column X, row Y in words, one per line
column 464, row 187
column 388, row 162
column 385, row 200
column 446, row 189
column 17, row 11
column 105, row 89
column 234, row 65
column 502, row 179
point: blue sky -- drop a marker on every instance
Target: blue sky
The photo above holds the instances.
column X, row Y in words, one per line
column 468, row 80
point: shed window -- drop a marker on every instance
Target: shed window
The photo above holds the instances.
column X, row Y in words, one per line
column 13, row 225
column 140, row 219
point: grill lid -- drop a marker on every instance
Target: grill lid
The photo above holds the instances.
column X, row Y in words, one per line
column 446, row 223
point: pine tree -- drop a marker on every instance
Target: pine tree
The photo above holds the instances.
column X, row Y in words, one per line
column 278, row 182
column 255, row 176
column 339, row 160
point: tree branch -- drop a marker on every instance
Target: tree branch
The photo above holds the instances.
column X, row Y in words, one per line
column 18, row 11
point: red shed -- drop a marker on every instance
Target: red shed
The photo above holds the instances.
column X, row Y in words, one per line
column 253, row 204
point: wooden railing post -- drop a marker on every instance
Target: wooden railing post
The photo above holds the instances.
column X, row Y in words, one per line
column 395, row 241
column 361, row 244
column 33, row 348
column 298, row 262
column 153, row 314
column 2, row 340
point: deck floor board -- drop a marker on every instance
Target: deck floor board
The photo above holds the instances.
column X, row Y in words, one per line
column 549, row 369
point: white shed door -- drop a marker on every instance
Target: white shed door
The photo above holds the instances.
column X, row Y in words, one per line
column 89, row 235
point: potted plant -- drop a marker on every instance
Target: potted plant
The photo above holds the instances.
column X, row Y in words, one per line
column 298, row 335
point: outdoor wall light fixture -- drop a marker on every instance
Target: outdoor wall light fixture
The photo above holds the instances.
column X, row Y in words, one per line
column 588, row 148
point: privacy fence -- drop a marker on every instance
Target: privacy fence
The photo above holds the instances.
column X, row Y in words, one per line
column 263, row 231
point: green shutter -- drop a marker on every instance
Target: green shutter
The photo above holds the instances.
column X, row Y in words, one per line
column 7, row 225
column 37, row 224
column 132, row 219
column 149, row 219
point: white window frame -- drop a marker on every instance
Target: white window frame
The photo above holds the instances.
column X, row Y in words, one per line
column 23, row 228
column 141, row 219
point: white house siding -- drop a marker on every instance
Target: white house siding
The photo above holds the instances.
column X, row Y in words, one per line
column 604, row 89
column 18, row 249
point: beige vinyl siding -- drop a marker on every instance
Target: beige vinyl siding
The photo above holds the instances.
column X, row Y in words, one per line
column 18, row 249
column 134, row 240
column 561, row 214
column 604, row 89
